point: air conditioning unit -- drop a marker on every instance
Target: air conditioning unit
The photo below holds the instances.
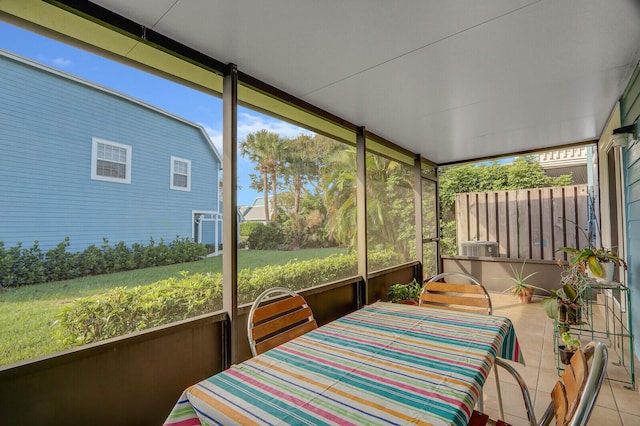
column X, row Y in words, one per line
column 479, row 248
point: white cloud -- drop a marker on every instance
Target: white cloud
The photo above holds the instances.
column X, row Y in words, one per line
column 215, row 136
column 249, row 123
column 62, row 62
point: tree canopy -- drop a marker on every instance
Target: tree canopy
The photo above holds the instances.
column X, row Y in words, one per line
column 523, row 172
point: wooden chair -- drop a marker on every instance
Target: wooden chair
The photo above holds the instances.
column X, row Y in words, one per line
column 573, row 396
column 469, row 297
column 272, row 324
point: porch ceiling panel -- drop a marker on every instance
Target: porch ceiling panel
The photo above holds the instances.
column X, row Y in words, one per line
column 449, row 80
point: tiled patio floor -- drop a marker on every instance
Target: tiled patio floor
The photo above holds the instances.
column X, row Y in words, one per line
column 616, row 405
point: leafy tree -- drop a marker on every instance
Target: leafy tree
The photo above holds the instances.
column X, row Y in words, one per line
column 300, row 166
column 390, row 223
column 339, row 182
column 266, row 150
column 524, row 172
column 390, row 205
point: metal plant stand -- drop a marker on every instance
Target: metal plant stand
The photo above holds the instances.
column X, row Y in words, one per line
column 615, row 326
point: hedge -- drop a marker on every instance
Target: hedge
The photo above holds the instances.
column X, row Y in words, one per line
column 247, row 227
column 25, row 266
column 125, row 310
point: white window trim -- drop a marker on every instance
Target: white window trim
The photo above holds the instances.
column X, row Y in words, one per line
column 94, row 161
column 180, row 188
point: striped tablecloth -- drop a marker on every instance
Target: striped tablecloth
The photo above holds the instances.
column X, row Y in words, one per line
column 384, row 364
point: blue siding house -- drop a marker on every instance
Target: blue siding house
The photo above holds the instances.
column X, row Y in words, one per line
column 84, row 161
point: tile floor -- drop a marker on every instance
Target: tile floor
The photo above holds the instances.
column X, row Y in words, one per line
column 616, row 404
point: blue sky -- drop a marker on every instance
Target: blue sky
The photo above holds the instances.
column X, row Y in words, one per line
column 195, row 106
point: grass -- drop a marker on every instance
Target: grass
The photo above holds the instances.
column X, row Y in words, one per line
column 28, row 314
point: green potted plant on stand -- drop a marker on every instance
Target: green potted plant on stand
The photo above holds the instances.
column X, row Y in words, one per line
column 521, row 287
column 571, row 345
column 599, row 261
column 565, row 304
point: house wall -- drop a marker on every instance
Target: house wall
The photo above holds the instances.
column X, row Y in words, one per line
column 47, row 122
column 630, row 111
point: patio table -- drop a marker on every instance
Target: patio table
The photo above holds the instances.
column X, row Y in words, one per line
column 383, row 364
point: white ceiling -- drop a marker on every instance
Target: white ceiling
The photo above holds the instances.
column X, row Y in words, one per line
column 449, row 79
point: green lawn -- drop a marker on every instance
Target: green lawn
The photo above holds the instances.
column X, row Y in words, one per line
column 27, row 314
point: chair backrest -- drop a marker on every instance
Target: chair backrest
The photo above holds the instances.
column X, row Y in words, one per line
column 469, row 297
column 567, row 391
column 575, row 394
column 272, row 324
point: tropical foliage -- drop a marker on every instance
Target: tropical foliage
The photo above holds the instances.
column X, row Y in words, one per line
column 402, row 293
column 312, row 183
column 592, row 258
column 523, row 172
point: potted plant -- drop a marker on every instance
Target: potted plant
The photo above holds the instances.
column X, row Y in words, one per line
column 521, row 288
column 571, row 345
column 595, row 259
column 405, row 293
column 565, row 303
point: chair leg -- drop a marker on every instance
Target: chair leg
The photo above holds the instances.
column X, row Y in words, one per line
column 480, row 403
column 499, row 392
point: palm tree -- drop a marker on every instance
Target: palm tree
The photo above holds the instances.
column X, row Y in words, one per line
column 390, row 208
column 339, row 181
column 266, row 150
column 390, row 204
column 301, row 166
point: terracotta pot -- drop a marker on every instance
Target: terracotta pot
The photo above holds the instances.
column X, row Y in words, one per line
column 525, row 295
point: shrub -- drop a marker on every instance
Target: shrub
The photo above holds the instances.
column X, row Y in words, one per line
column 247, row 227
column 268, row 237
column 22, row 266
column 118, row 258
column 153, row 255
column 295, row 275
column 92, row 262
column 125, row 310
column 60, row 264
column 185, row 250
column 300, row 275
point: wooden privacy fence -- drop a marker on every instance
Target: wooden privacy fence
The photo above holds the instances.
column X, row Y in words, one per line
column 526, row 223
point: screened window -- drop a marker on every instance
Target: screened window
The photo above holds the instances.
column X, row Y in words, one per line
column 391, row 229
column 99, row 234
column 297, row 205
column 110, row 161
column 180, row 174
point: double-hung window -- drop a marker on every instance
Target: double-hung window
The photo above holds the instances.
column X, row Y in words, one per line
column 110, row 161
column 180, row 174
